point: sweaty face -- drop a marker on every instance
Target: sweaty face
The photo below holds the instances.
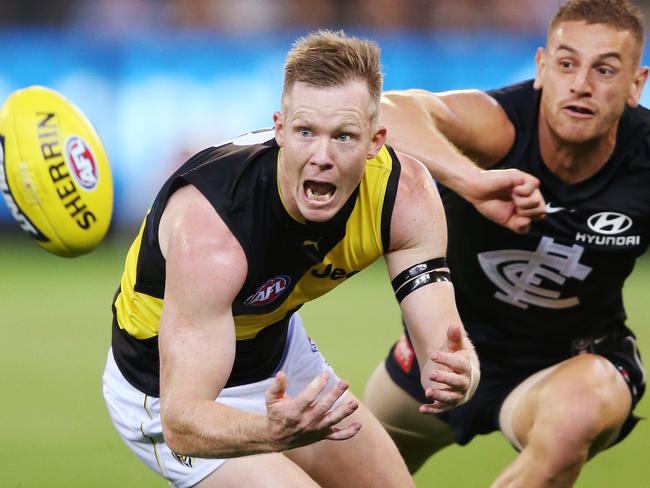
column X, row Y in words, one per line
column 326, row 135
column 587, row 74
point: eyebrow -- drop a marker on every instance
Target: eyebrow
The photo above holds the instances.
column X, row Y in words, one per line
column 611, row 54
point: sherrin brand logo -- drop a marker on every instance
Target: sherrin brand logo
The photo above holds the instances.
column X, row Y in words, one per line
column 269, row 291
column 82, row 162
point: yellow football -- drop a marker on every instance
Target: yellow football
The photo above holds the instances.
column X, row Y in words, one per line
column 54, row 173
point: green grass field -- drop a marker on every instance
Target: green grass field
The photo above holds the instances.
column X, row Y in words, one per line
column 54, row 335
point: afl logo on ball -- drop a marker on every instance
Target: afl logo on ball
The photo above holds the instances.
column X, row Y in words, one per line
column 81, row 161
column 269, row 291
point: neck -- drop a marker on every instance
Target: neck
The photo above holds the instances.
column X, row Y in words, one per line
column 574, row 162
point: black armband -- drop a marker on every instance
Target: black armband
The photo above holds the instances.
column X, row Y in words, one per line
column 419, row 275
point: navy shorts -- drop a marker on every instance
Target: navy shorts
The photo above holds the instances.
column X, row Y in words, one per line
column 502, row 372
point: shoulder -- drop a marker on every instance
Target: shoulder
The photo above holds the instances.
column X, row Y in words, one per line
column 518, row 102
column 190, row 226
column 418, row 209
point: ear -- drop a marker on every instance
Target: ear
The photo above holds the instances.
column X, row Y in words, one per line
column 540, row 66
column 377, row 141
column 636, row 90
column 278, row 122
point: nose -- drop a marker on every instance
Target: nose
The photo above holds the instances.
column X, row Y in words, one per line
column 321, row 155
column 581, row 82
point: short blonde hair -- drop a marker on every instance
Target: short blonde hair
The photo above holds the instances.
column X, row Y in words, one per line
column 325, row 58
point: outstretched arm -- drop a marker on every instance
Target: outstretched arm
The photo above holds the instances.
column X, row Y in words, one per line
column 449, row 366
column 447, row 132
column 205, row 269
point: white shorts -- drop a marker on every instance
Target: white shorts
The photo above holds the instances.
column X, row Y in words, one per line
column 136, row 416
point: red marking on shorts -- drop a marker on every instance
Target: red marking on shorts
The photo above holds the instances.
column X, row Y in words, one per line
column 404, row 354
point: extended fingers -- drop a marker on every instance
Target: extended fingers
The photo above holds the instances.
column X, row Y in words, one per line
column 306, row 397
column 278, row 388
column 337, row 414
column 340, row 434
column 456, row 362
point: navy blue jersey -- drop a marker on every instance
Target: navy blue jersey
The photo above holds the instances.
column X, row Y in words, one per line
column 562, row 280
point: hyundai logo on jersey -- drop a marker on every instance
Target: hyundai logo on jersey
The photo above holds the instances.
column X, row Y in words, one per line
column 609, row 223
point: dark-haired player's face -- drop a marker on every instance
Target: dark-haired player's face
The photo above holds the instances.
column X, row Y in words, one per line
column 588, row 72
column 326, row 135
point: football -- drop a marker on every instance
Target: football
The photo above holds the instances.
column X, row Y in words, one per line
column 54, row 173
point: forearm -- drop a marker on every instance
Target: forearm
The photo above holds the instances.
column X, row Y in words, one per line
column 427, row 317
column 212, row 430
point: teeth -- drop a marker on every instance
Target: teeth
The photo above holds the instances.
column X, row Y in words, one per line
column 317, row 196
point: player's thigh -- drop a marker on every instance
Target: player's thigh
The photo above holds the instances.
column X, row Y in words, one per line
column 570, row 398
column 267, row 470
column 399, row 413
column 417, row 436
column 369, row 459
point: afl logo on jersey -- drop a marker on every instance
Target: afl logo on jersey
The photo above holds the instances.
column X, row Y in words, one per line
column 81, row 161
column 609, row 223
column 269, row 291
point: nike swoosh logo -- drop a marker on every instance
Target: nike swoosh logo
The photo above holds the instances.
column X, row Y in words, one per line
column 550, row 209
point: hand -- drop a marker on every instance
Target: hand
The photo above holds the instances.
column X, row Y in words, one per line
column 509, row 197
column 447, row 375
column 308, row 418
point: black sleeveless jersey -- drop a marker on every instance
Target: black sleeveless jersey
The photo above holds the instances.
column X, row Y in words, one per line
column 289, row 262
column 563, row 280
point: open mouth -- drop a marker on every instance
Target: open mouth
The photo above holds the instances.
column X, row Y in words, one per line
column 578, row 109
column 318, row 191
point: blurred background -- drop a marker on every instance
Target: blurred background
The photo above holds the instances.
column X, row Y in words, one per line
column 162, row 79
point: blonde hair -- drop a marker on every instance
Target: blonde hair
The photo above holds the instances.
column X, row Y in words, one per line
column 325, row 58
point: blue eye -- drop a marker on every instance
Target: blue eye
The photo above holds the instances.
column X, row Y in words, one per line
column 344, row 137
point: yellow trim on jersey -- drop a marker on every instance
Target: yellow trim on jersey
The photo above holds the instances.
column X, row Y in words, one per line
column 360, row 247
column 137, row 313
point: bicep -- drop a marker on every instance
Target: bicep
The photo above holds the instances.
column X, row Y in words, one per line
column 205, row 268
column 470, row 119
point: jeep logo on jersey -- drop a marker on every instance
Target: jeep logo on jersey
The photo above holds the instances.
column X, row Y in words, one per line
column 609, row 223
column 269, row 291
column 81, row 162
column 523, row 276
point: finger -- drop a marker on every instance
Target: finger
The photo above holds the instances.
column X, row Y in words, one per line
column 525, row 184
column 454, row 338
column 309, row 394
column 342, row 411
column 277, row 389
column 446, row 397
column 433, row 408
column 340, row 434
column 325, row 403
column 459, row 382
column 456, row 362
column 522, row 204
column 518, row 224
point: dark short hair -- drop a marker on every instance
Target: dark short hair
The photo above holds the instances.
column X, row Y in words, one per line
column 622, row 15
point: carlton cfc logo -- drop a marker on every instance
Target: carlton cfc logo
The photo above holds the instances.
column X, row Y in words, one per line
column 81, row 161
column 269, row 291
